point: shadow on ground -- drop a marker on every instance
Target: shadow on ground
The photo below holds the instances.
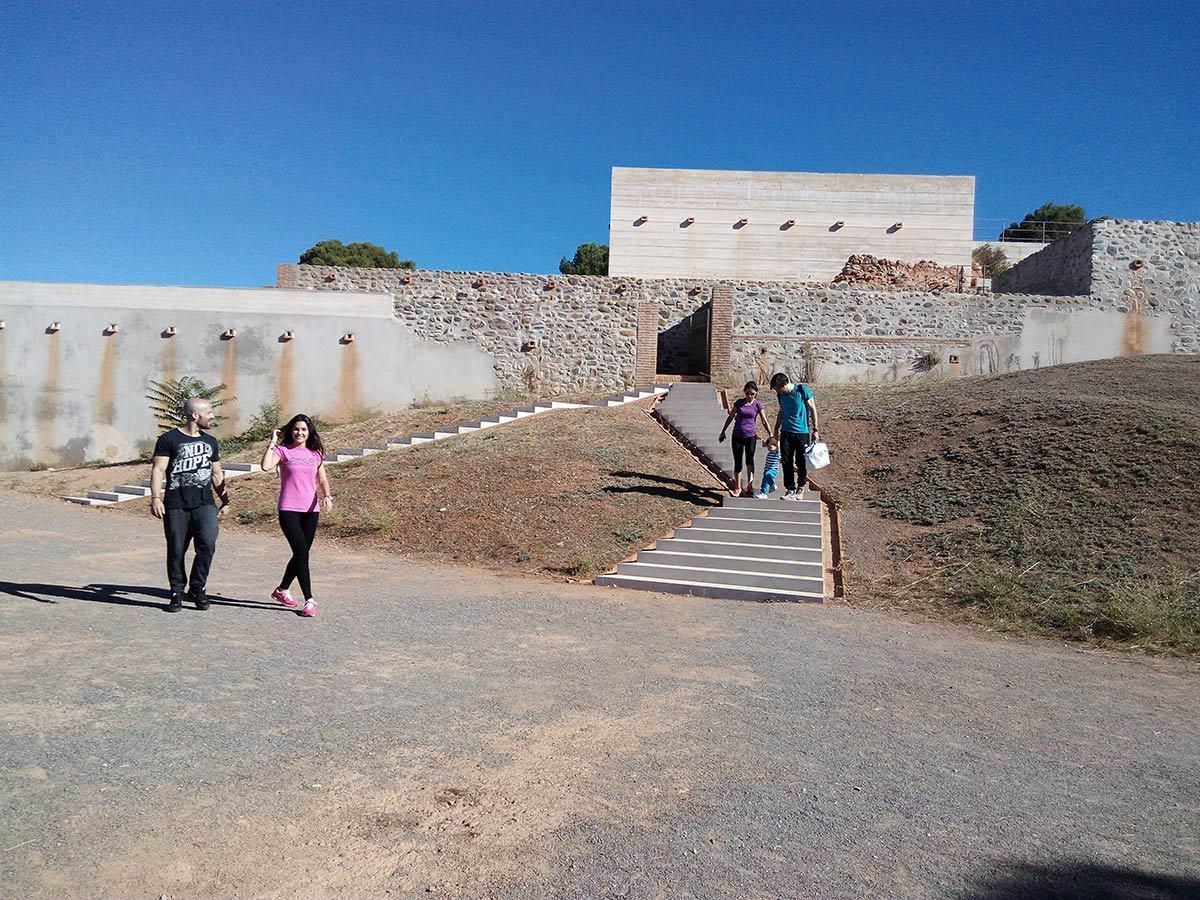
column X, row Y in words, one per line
column 672, row 488
column 1069, row 881
column 119, row 594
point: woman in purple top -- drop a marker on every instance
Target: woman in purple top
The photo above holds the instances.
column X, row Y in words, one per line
column 747, row 411
column 303, row 491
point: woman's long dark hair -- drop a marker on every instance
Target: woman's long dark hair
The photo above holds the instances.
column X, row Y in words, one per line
column 314, row 439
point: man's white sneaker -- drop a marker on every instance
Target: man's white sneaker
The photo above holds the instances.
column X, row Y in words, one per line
column 790, row 495
column 760, row 496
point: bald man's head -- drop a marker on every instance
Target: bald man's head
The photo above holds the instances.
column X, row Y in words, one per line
column 198, row 410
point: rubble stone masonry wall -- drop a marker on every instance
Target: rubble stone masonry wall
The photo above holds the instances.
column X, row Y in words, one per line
column 1151, row 268
column 1062, row 267
column 1137, row 267
column 567, row 334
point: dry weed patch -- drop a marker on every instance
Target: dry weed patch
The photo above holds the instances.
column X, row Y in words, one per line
column 566, row 494
column 1061, row 501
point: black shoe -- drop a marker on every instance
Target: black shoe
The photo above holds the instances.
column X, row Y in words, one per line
column 176, row 603
column 201, row 600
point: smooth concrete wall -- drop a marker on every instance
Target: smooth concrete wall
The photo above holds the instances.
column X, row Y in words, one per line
column 79, row 394
column 936, row 212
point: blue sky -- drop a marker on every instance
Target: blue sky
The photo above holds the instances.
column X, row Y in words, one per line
column 203, row 143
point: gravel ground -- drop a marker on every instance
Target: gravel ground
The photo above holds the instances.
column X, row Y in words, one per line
column 444, row 731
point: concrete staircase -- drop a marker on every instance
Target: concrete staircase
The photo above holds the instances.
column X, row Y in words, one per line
column 745, row 549
column 125, row 492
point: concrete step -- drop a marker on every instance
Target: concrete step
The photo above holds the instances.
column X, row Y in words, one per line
column 241, row 467
column 695, row 543
column 144, row 482
column 85, row 501
column 400, row 440
column 758, row 526
column 135, row 489
column 765, row 516
column 421, row 437
column 376, row 448
column 807, row 507
column 707, row 589
column 742, row 577
column 110, row 496
column 760, row 538
column 745, row 562
column 775, row 501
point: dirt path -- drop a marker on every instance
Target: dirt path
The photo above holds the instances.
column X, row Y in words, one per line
column 441, row 730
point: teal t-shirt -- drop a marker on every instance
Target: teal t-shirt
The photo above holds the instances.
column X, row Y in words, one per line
column 795, row 410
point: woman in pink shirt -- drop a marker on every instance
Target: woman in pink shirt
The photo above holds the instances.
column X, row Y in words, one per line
column 303, row 490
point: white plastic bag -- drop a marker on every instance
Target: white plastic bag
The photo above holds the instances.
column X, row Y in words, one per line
column 816, row 455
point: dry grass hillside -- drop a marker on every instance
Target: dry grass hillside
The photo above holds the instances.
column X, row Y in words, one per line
column 1060, row 501
column 564, row 494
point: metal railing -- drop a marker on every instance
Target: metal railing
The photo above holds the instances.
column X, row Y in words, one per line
column 1006, row 230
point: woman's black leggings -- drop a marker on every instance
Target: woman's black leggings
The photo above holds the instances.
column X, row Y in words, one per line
column 299, row 528
column 743, row 446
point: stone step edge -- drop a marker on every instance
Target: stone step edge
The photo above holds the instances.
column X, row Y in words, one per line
column 820, row 578
column 714, row 556
column 681, row 534
column 675, row 586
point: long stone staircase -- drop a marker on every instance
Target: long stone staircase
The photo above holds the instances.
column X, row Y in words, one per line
column 745, row 549
column 125, row 492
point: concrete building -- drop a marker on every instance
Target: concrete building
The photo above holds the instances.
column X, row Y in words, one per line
column 698, row 223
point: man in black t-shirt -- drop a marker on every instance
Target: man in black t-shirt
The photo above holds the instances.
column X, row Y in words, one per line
column 187, row 468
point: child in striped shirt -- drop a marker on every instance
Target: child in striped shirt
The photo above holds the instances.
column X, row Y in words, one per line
column 770, row 468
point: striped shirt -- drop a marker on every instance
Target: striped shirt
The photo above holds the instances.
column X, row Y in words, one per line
column 771, row 463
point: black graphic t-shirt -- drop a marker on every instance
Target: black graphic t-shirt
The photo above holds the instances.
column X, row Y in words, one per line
column 189, row 468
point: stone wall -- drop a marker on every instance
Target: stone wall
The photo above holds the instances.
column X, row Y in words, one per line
column 555, row 335
column 1137, row 267
column 580, row 333
column 550, row 335
column 840, row 333
column 1063, row 267
column 1152, row 267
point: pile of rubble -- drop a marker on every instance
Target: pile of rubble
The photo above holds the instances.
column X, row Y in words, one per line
column 924, row 275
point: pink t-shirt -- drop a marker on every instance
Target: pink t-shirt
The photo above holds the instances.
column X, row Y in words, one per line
column 298, row 478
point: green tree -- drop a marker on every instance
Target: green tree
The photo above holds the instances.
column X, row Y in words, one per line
column 167, row 398
column 1048, row 222
column 590, row 259
column 990, row 259
column 358, row 255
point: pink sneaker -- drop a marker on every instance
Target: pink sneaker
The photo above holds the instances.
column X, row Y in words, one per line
column 283, row 597
column 310, row 608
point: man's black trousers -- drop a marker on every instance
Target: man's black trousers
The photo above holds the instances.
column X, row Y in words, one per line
column 190, row 526
column 791, row 451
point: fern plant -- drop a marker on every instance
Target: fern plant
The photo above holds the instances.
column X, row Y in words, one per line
column 168, row 397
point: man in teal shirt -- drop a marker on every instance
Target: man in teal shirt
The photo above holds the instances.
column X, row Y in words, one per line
column 796, row 428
